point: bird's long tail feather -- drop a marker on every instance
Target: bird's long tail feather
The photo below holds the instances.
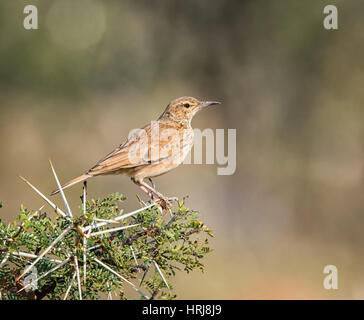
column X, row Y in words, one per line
column 72, row 182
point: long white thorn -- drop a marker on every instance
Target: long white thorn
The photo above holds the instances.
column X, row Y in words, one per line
column 84, row 260
column 78, row 278
column 109, row 295
column 59, row 211
column 106, row 221
column 31, row 216
column 100, row 224
column 68, row 209
column 160, row 273
column 36, row 212
column 135, row 259
column 93, row 247
column 70, row 286
column 121, row 277
column 33, row 256
column 113, row 230
column 84, row 239
column 45, row 274
column 63, row 233
column 84, row 256
column 112, row 271
column 7, row 255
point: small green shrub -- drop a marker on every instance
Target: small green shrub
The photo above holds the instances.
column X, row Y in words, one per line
column 144, row 257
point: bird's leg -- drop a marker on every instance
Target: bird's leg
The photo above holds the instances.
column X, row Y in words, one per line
column 153, row 186
column 151, row 191
column 150, row 194
column 157, row 193
column 152, row 183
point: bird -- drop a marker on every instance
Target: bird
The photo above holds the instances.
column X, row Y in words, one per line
column 152, row 150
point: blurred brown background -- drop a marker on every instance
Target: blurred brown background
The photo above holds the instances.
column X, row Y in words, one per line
column 94, row 70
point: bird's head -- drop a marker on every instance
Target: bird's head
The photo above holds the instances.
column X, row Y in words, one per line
column 184, row 108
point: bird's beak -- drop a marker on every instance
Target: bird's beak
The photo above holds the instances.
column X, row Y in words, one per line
column 204, row 104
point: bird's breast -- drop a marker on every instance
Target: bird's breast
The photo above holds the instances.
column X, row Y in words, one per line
column 187, row 142
column 179, row 144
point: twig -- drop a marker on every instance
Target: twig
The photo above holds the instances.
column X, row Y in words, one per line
column 154, row 294
column 145, row 273
column 84, row 196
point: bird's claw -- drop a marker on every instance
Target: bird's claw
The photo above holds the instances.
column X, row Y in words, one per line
column 165, row 202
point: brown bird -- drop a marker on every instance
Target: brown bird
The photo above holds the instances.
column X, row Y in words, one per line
column 152, row 150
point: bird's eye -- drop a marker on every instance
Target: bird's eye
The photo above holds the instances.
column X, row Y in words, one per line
column 187, row 105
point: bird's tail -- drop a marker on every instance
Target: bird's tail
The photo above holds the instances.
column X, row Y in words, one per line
column 72, row 182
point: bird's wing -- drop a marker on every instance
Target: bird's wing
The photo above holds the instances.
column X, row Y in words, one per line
column 137, row 151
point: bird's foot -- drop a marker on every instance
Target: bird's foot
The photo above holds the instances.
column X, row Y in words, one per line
column 166, row 202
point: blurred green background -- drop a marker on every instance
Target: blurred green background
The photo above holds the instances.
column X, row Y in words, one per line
column 94, row 70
